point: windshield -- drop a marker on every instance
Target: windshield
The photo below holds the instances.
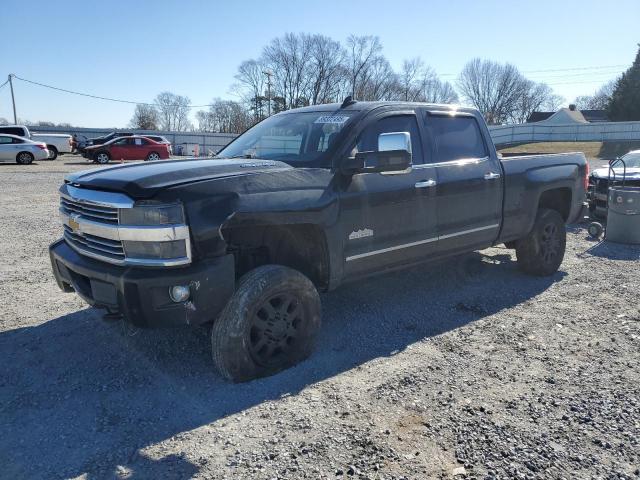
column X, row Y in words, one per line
column 294, row 138
column 631, row 160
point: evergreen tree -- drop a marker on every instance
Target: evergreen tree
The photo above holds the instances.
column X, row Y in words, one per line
column 625, row 101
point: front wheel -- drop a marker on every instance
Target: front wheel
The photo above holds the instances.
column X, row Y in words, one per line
column 541, row 252
column 102, row 158
column 152, row 157
column 269, row 324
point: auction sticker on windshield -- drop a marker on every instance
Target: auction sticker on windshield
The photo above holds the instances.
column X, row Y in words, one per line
column 339, row 119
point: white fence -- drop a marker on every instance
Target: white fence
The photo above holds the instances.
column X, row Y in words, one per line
column 581, row 132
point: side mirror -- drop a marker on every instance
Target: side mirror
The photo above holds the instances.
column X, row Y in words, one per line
column 393, row 155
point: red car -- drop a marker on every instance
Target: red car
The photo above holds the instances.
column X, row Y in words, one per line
column 135, row 147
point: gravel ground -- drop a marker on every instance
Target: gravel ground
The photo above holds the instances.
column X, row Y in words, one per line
column 465, row 369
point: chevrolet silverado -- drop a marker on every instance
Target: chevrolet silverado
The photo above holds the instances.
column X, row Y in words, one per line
column 302, row 202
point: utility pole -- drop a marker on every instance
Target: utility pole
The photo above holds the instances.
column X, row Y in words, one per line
column 269, row 75
column 13, row 99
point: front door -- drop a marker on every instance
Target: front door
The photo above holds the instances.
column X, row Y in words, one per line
column 119, row 149
column 388, row 219
column 469, row 190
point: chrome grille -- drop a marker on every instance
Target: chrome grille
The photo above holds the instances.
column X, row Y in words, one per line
column 102, row 247
column 91, row 223
column 98, row 213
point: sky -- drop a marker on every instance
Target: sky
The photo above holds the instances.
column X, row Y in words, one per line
column 134, row 50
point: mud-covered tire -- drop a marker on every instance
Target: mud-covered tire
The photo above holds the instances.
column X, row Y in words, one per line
column 269, row 324
column 541, row 252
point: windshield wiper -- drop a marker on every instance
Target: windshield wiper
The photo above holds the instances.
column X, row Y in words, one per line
column 244, row 155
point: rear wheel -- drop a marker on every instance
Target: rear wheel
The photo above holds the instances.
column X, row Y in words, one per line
column 53, row 152
column 102, row 157
column 24, row 158
column 153, row 156
column 595, row 229
column 541, row 252
column 269, row 324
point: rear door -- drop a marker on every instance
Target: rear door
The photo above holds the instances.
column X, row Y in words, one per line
column 469, row 175
column 140, row 148
column 388, row 219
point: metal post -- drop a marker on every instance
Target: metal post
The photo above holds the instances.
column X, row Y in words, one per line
column 269, row 75
column 13, row 100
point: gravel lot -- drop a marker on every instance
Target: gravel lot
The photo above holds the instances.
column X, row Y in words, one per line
column 465, row 369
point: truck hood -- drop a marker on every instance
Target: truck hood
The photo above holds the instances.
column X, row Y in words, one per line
column 144, row 180
column 632, row 173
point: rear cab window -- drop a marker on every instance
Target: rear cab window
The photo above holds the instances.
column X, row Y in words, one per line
column 455, row 137
column 13, row 131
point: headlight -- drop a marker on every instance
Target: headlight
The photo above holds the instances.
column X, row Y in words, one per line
column 152, row 215
column 154, row 234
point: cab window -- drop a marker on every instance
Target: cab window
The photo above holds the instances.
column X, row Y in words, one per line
column 368, row 139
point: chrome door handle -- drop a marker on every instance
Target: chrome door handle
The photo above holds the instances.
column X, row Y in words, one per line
column 491, row 176
column 426, row 183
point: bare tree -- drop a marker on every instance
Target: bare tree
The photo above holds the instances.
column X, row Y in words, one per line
column 419, row 83
column 412, row 78
column 289, row 58
column 4, row 121
column 492, row 88
column 377, row 82
column 145, row 117
column 534, row 97
column 173, row 112
column 224, row 116
column 251, row 85
column 436, row 91
column 326, row 70
column 599, row 100
column 363, row 53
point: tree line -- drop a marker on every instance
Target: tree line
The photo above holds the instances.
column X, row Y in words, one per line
column 298, row 70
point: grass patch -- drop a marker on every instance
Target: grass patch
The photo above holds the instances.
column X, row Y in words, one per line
column 596, row 150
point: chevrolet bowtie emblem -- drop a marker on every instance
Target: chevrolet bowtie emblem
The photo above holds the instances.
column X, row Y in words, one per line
column 73, row 223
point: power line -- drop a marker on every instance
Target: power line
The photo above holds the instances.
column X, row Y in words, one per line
column 4, row 84
column 572, row 69
column 98, row 97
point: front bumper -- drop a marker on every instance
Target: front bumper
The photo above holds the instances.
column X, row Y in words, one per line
column 141, row 295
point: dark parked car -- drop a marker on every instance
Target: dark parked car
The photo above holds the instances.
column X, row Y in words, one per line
column 128, row 148
column 107, row 138
column 627, row 170
column 304, row 201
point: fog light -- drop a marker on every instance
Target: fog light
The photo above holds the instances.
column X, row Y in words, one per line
column 179, row 293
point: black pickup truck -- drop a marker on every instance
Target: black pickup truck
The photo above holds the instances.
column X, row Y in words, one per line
column 304, row 201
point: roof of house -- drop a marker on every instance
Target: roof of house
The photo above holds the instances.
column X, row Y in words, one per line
column 539, row 116
column 595, row 115
column 589, row 115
